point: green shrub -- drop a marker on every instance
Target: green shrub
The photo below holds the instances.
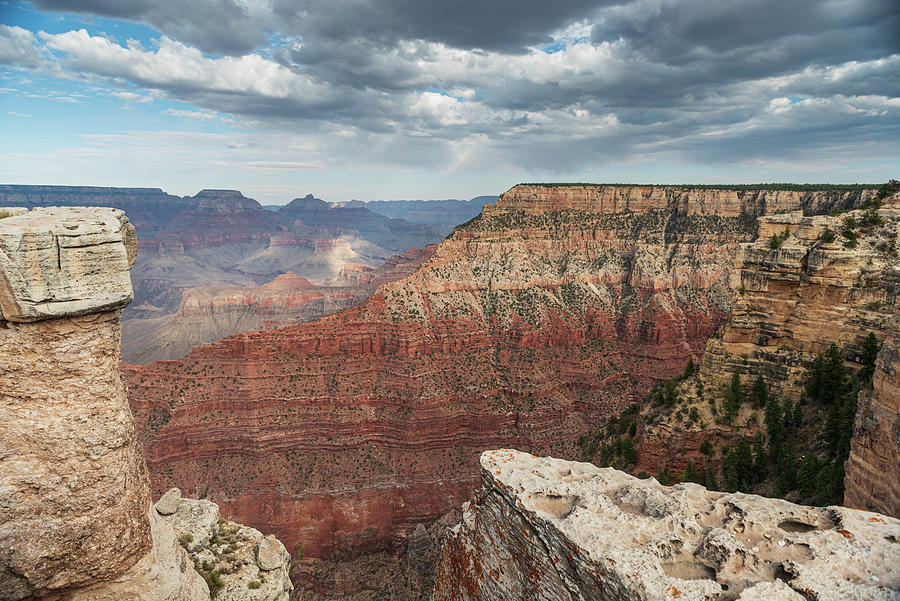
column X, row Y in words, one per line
column 254, row 584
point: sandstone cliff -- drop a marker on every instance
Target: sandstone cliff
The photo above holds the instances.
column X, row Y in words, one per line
column 75, row 516
column 801, row 286
column 543, row 528
column 529, row 324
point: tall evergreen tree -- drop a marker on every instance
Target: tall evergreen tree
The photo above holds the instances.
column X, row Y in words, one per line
column 759, row 395
column 760, row 459
column 775, row 428
column 869, row 354
column 734, row 395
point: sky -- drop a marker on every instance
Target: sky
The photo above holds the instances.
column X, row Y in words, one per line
column 392, row 99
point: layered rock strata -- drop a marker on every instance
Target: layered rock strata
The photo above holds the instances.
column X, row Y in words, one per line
column 793, row 298
column 544, row 528
column 526, row 327
column 210, row 313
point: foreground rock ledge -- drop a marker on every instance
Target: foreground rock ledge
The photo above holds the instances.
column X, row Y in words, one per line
column 553, row 529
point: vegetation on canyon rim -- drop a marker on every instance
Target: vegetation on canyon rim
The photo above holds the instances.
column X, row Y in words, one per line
column 798, row 452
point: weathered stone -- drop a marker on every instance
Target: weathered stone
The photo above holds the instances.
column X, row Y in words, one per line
column 75, row 516
column 57, row 262
column 168, row 503
column 251, row 567
column 560, row 530
column 270, row 553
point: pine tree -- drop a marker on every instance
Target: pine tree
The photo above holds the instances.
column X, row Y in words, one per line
column 869, row 354
column 775, row 428
column 691, row 474
column 688, row 369
column 788, row 415
column 709, row 477
column 760, row 459
column 798, row 415
column 731, row 481
column 744, row 464
column 734, row 395
column 664, row 476
column 759, row 395
column 806, row 476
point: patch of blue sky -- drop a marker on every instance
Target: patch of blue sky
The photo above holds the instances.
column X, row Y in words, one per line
column 39, row 111
column 24, row 15
column 561, row 44
column 796, row 99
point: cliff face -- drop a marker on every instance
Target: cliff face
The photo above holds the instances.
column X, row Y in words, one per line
column 790, row 304
column 873, row 468
column 526, row 326
column 75, row 517
column 552, row 529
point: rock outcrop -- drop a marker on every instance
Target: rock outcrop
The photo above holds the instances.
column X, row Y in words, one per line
column 75, row 513
column 238, row 562
column 526, row 327
column 543, row 528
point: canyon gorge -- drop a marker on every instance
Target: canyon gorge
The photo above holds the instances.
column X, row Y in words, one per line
column 528, row 326
column 226, row 249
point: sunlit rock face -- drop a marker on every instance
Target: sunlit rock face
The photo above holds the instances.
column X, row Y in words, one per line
column 551, row 310
column 546, row 528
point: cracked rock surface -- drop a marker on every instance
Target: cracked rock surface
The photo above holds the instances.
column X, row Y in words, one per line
column 544, row 528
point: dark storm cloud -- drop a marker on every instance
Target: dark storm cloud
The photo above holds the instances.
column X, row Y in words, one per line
column 230, row 27
column 708, row 80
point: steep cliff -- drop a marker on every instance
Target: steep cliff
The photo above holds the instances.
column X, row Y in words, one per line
column 75, row 516
column 543, row 528
column 529, row 324
column 873, row 468
column 806, row 283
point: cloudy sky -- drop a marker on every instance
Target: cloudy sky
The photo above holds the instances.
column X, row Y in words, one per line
column 437, row 98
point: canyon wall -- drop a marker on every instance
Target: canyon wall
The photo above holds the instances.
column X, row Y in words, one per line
column 794, row 297
column 75, row 510
column 527, row 326
column 873, row 468
column 544, row 528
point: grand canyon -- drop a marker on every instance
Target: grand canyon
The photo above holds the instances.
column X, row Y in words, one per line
column 547, row 314
column 449, row 301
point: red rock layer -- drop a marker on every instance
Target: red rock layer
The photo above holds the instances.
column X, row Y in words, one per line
column 523, row 329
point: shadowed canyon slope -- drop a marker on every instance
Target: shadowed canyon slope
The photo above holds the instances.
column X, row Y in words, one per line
column 552, row 309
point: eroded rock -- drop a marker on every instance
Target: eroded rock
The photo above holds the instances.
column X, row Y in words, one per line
column 514, row 540
column 168, row 503
column 58, row 261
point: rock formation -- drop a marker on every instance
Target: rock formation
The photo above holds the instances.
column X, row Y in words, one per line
column 873, row 468
column 75, row 516
column 528, row 325
column 239, row 563
column 799, row 287
column 543, row 528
